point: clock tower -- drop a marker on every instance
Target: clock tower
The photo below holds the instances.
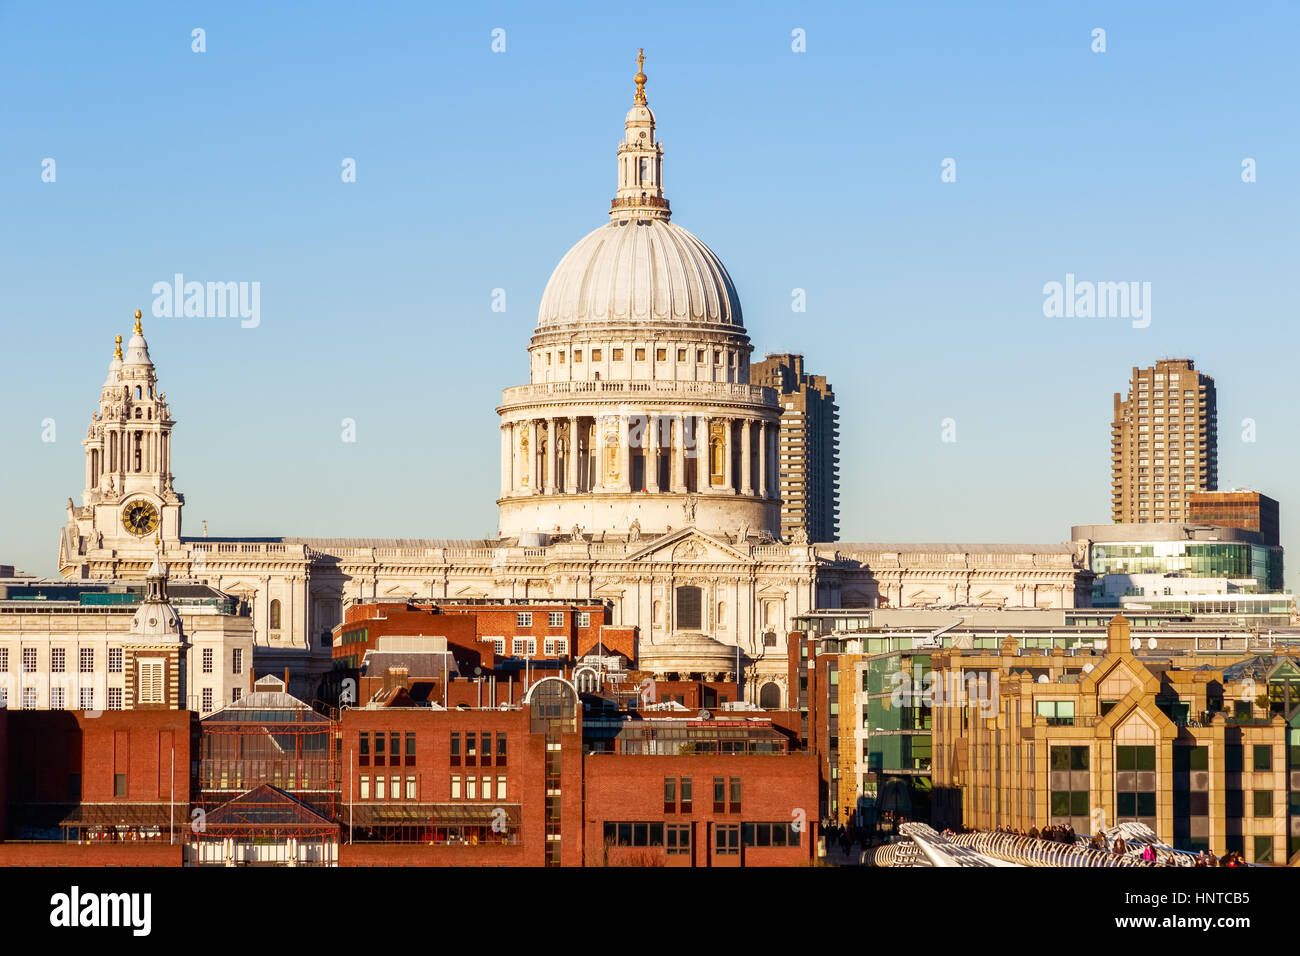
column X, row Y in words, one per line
column 128, row 501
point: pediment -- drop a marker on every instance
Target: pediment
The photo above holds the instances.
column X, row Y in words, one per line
column 689, row 546
column 470, row 592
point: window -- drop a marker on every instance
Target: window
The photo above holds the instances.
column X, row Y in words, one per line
column 4, row 660
column 235, row 694
column 670, row 794
column 501, row 749
column 410, row 750
column 115, row 660
column 1068, row 783
column 486, row 746
column 1059, row 713
column 557, row 647
column 735, row 796
column 395, row 788
column 150, row 678
column 275, row 615
column 769, row 834
column 471, row 788
column 365, row 786
column 634, row 834
column 58, row 660
column 689, row 608
column 681, row 355
column 717, row 356
column 115, row 698
column 363, row 749
column 29, row 660
column 577, row 355
column 87, row 698
column 471, row 750
column 595, row 355
column 1263, row 849
column 207, row 699
column 237, row 661
column 29, row 698
column 455, row 750
column 727, row 839
column 661, row 355
column 1263, row 803
column 525, row 646
column 410, row 788
column 501, row 788
column 639, row 355
column 561, row 356
column 618, row 355
column 487, row 788
column 394, row 750
column 57, row 698
column 1263, row 757
column 699, row 356
column 455, row 787
column 555, row 619
column 719, row 795
column 379, row 749
column 207, row 660
column 381, row 787
column 678, row 839
column 524, row 619
column 584, row 619
column 119, row 785
column 498, row 645
column 685, row 805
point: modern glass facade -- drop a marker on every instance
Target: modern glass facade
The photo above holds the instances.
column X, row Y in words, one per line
column 1202, row 559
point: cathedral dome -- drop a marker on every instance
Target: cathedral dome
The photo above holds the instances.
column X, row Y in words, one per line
column 636, row 271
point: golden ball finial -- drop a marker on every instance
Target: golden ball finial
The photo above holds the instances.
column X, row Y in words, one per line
column 640, row 77
column 138, row 330
column 117, row 353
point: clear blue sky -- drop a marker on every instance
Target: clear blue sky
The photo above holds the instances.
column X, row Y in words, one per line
column 477, row 170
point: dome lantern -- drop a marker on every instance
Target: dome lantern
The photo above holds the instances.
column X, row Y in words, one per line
column 640, row 161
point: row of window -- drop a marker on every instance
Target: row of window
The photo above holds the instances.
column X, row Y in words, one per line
column 553, row 619
column 477, row 788
column 720, row 356
column 477, row 747
column 676, row 838
column 527, row 646
column 86, row 660
column 151, row 692
column 389, row 745
column 388, row 788
column 679, row 797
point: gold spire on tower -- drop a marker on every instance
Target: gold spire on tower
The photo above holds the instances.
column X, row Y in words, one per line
column 117, row 354
column 138, row 330
column 640, row 76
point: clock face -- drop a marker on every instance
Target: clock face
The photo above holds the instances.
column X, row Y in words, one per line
column 140, row 517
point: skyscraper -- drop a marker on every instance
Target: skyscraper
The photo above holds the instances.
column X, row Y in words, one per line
column 1164, row 443
column 809, row 451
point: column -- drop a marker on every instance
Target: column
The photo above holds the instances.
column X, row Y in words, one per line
column 677, row 448
column 533, row 459
column 571, row 459
column 551, row 434
column 652, row 453
column 762, row 459
column 727, row 484
column 624, row 455
column 703, row 455
column 746, row 470
column 505, row 459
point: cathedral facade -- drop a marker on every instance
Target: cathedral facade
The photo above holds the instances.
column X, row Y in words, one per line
column 639, row 466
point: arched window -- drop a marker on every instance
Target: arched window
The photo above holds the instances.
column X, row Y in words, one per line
column 769, row 696
column 275, row 615
column 138, row 394
column 139, row 413
column 722, row 613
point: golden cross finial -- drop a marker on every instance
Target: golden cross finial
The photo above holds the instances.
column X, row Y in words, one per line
column 138, row 330
column 118, row 352
column 640, row 77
